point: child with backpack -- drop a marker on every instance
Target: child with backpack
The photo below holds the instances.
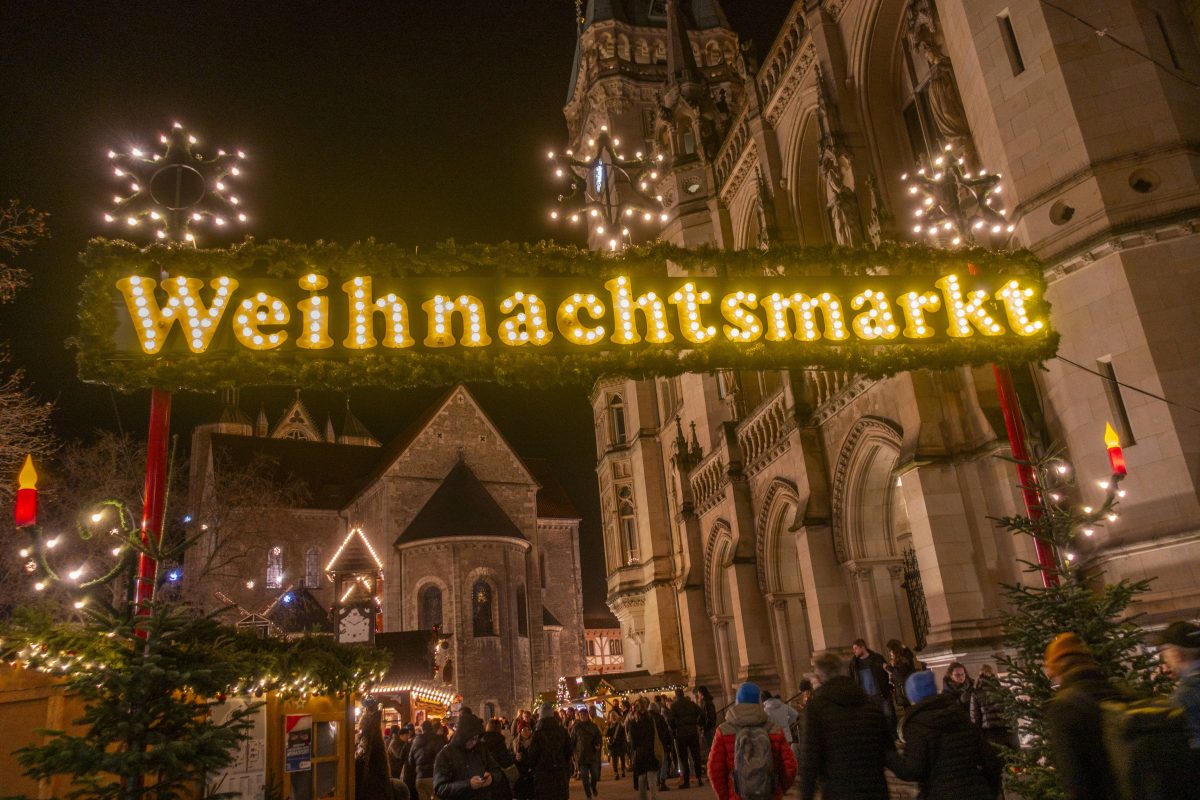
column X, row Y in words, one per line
column 750, row 758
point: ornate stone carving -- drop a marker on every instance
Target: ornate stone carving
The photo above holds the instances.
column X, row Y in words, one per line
column 945, row 104
column 865, row 428
column 781, row 491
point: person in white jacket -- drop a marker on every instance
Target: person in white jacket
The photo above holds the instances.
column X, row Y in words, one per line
column 782, row 716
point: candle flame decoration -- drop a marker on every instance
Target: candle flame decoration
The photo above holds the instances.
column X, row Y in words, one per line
column 25, row 512
column 1115, row 457
column 1110, row 436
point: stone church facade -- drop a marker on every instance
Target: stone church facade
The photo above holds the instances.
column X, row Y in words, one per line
column 472, row 539
column 752, row 520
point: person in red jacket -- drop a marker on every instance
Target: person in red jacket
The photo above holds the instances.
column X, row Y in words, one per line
column 747, row 712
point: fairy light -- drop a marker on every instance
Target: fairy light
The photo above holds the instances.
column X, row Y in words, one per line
column 876, row 322
column 803, row 309
column 363, row 307
column 606, row 187
column 966, row 310
column 356, row 531
column 914, row 305
column 440, row 311
column 314, row 311
column 570, row 325
column 527, row 326
column 738, row 310
column 956, row 206
column 262, row 309
column 626, row 306
column 687, row 302
column 1014, row 297
column 175, row 187
column 184, row 305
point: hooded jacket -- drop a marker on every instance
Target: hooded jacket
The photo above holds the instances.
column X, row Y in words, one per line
column 782, row 716
column 720, row 757
column 425, row 747
column 845, row 744
column 549, row 757
column 644, row 728
column 1076, row 733
column 945, row 754
column 456, row 765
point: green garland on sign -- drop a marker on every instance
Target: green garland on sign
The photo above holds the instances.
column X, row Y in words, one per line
column 106, row 261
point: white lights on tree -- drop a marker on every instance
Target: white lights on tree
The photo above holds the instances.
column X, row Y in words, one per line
column 957, row 206
column 168, row 192
column 605, row 190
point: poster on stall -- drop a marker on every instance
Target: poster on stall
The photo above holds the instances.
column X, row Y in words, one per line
column 297, row 754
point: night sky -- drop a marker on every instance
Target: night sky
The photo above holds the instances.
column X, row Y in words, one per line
column 411, row 122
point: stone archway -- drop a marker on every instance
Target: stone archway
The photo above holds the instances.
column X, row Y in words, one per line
column 871, row 530
column 719, row 595
column 781, row 582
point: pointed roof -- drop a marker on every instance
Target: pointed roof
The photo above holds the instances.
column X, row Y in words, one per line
column 296, row 418
column 297, row 611
column 549, row 620
column 330, row 436
column 353, row 428
column 356, row 555
column 461, row 506
column 330, row 474
column 653, row 13
column 553, row 502
column 681, row 61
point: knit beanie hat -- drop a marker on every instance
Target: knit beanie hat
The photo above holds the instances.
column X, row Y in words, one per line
column 748, row 693
column 1065, row 652
column 920, row 686
column 546, row 711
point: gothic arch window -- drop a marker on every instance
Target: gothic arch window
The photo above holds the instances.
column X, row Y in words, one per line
column 660, row 52
column 312, row 568
column 623, row 47
column 617, row 433
column 296, row 434
column 429, row 605
column 642, row 52
column 483, row 609
column 522, row 613
column 275, row 568
column 627, row 517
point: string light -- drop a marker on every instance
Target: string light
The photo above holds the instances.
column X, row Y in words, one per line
column 626, row 306
column 738, row 310
column 440, row 311
column 956, row 206
column 176, row 187
column 528, row 326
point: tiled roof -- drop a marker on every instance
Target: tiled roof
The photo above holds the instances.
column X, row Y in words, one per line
column 330, row 473
column 552, row 499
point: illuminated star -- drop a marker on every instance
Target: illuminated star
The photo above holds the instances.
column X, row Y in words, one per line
column 606, row 190
column 956, row 205
column 176, row 188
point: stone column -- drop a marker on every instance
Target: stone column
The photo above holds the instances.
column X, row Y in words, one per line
column 783, row 649
column 725, row 669
column 830, row 615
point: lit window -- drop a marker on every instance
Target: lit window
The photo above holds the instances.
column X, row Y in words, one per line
column 483, row 609
column 275, row 568
column 430, row 608
column 312, row 568
column 616, row 420
column 628, row 521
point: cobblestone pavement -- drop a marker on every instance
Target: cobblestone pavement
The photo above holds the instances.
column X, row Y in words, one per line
column 622, row 789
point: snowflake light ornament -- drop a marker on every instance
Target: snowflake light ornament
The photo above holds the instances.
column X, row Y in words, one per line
column 607, row 191
column 956, row 205
column 175, row 189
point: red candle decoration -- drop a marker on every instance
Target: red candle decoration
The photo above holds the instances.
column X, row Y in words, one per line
column 25, row 513
column 1115, row 457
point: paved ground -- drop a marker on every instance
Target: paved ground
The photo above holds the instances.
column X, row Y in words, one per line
column 622, row 789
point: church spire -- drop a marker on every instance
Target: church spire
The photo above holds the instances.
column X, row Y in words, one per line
column 681, row 62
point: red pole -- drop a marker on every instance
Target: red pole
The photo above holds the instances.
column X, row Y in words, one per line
column 1010, row 405
column 155, row 502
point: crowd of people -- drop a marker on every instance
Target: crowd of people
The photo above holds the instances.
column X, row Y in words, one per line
column 838, row 736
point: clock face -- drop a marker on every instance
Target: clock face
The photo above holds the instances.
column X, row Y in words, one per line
column 355, row 626
column 693, row 187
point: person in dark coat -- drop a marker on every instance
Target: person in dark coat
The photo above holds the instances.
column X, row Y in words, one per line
column 586, row 740
column 686, row 719
column 869, row 673
column 523, row 789
column 943, row 752
column 372, row 776
column 647, row 744
column 425, row 748
column 959, row 683
column 464, row 770
column 900, row 664
column 846, row 740
column 989, row 709
column 614, row 740
column 497, row 746
column 704, row 699
column 398, row 748
column 549, row 757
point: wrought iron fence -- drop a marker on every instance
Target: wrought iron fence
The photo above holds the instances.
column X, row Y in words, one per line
column 915, row 592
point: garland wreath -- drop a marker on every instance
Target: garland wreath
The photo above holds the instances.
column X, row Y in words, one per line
column 105, row 261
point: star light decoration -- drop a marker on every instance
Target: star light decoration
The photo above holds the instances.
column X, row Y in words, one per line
column 606, row 190
column 956, row 205
column 176, row 188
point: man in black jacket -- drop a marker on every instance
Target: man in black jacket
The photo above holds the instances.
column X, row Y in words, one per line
column 846, row 739
column 549, row 757
column 869, row 671
column 686, row 720
column 464, row 770
column 425, row 748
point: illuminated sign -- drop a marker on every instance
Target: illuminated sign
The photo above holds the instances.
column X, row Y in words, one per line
column 623, row 320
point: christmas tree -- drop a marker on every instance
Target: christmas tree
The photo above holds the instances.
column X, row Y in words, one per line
column 1062, row 600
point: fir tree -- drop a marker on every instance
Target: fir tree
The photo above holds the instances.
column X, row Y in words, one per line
column 1098, row 613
